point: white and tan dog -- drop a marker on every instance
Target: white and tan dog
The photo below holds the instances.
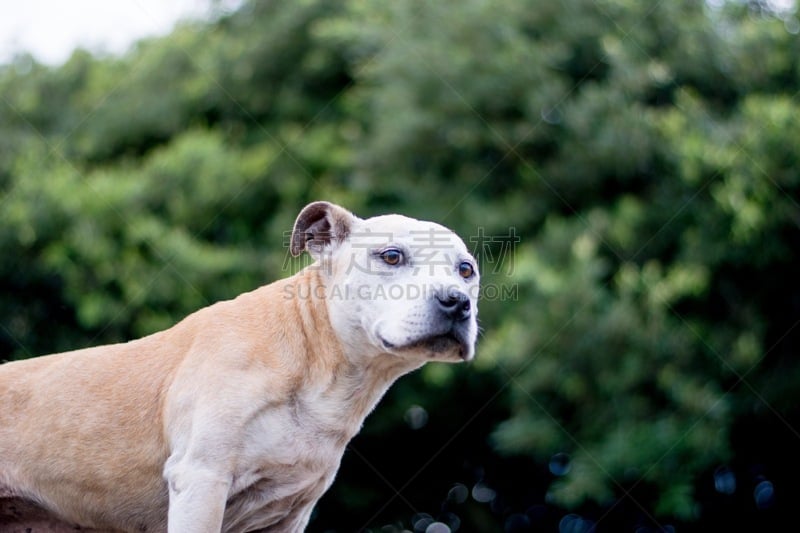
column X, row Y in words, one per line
column 236, row 418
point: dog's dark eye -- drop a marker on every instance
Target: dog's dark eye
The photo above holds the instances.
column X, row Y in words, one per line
column 465, row 270
column 392, row 257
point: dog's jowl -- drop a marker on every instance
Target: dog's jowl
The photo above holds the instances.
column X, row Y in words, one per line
column 236, row 418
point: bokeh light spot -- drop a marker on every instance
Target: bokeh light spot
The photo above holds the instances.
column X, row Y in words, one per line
column 416, row 417
column 421, row 521
column 724, row 480
column 559, row 464
column 573, row 523
column 437, row 527
column 458, row 494
column 764, row 494
column 482, row 493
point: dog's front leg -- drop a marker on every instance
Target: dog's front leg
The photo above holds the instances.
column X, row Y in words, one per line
column 197, row 497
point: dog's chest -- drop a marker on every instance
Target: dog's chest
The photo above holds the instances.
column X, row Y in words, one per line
column 290, row 456
column 301, row 432
column 313, row 425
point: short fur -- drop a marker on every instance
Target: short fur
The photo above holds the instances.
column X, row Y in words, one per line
column 236, row 418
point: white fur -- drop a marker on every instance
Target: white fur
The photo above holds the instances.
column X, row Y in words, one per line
column 246, row 406
column 374, row 302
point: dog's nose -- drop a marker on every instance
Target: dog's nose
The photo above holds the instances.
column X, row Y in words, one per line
column 454, row 304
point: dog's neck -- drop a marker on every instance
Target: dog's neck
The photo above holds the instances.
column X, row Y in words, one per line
column 351, row 379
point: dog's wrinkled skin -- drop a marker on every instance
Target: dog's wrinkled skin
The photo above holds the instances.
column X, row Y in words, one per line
column 236, row 418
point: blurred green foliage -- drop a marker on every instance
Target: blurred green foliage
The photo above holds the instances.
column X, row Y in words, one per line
column 646, row 154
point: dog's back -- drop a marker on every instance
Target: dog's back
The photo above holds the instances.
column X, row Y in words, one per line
column 70, row 399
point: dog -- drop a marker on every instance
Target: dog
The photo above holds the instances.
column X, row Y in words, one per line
column 236, row 418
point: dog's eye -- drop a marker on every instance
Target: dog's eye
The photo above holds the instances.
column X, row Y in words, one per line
column 465, row 270
column 392, row 257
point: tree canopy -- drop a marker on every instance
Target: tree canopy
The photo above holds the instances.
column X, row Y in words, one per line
column 626, row 172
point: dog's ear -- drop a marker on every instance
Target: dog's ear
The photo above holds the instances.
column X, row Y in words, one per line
column 319, row 225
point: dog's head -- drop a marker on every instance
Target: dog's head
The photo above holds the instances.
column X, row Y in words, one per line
column 402, row 286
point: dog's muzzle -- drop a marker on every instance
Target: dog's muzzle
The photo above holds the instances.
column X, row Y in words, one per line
column 455, row 310
column 454, row 305
column 449, row 330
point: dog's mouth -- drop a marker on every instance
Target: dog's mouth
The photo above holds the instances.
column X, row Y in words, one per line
column 439, row 344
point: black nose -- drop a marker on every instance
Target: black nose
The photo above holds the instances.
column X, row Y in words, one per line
column 454, row 304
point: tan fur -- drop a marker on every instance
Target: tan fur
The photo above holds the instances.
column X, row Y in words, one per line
column 235, row 418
